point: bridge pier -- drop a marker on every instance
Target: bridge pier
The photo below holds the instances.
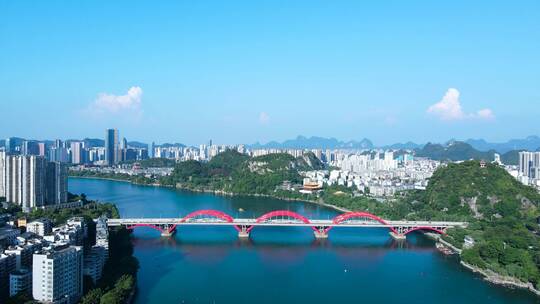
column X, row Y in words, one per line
column 398, row 236
column 243, row 233
column 167, row 230
column 398, row 233
column 321, row 232
column 166, row 233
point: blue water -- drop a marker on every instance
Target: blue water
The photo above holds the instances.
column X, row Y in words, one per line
column 283, row 265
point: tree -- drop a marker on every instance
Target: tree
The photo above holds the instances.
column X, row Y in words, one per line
column 491, row 250
column 93, row 297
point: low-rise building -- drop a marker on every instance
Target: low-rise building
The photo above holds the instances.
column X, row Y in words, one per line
column 20, row 281
column 7, row 266
column 8, row 236
column 40, row 227
column 23, row 252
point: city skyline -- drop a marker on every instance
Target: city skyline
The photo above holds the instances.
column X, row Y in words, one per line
column 517, row 143
column 249, row 72
column 305, row 151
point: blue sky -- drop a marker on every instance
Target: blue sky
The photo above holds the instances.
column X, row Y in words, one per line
column 246, row 71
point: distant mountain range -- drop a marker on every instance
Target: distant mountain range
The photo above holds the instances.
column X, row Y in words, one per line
column 530, row 143
column 314, row 142
column 405, row 146
column 458, row 151
column 169, row 145
column 453, row 151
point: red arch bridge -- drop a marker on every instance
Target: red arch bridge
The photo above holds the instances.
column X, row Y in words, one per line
column 284, row 218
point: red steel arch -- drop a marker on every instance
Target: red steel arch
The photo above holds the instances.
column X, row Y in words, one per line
column 425, row 228
column 131, row 227
column 349, row 215
column 282, row 213
column 212, row 213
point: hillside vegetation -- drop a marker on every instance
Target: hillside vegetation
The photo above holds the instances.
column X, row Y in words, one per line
column 502, row 215
column 231, row 171
column 154, row 162
column 501, row 211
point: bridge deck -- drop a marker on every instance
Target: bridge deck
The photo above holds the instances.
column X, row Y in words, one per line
column 279, row 222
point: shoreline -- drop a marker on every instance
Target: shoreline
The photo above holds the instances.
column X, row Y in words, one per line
column 224, row 193
column 501, row 280
column 219, row 192
column 488, row 275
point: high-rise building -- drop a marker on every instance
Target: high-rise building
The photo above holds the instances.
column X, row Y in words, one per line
column 58, row 274
column 56, row 183
column 94, row 260
column 42, row 149
column 30, row 181
column 59, row 153
column 25, row 180
column 13, row 145
column 528, row 162
column 30, row 147
column 2, row 174
column 76, row 151
column 112, row 149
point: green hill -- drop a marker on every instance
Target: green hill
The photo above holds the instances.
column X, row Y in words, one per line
column 510, row 158
column 231, row 171
column 454, row 151
column 501, row 211
column 467, row 190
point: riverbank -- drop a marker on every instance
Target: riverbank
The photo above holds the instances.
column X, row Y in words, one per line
column 437, row 238
column 284, row 198
column 120, row 180
column 488, row 275
column 219, row 192
column 498, row 279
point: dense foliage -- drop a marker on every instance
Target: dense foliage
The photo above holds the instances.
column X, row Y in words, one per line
column 158, row 162
column 119, row 273
column 136, row 179
column 233, row 172
column 502, row 214
column 89, row 211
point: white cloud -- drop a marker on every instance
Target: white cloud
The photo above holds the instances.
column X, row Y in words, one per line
column 264, row 118
column 449, row 108
column 109, row 103
column 485, row 114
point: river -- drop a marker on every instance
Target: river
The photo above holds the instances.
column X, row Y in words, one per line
column 283, row 265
